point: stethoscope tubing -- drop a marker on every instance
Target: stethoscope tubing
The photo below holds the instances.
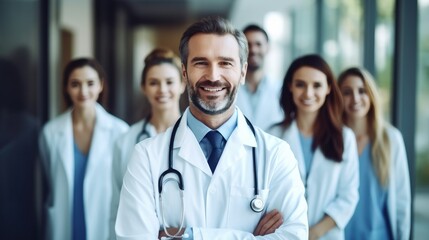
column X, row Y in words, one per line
column 144, row 129
column 257, row 204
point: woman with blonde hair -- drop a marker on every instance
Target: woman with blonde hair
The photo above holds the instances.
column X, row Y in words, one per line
column 384, row 209
column 162, row 84
column 325, row 149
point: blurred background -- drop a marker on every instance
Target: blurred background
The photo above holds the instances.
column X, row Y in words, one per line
column 37, row 37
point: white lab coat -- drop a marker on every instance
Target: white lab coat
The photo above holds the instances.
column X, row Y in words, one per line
column 399, row 193
column 267, row 110
column 332, row 188
column 56, row 149
column 122, row 152
column 217, row 206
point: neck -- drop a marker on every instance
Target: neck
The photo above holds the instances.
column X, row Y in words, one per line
column 163, row 119
column 359, row 127
column 83, row 116
column 212, row 121
column 305, row 122
column 253, row 78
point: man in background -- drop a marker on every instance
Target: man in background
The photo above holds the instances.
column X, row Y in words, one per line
column 259, row 98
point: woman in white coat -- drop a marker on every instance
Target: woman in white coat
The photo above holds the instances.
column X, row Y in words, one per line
column 76, row 152
column 385, row 197
column 162, row 84
column 325, row 150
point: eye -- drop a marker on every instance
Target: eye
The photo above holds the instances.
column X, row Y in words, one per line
column 74, row 84
column 299, row 84
column 200, row 63
column 170, row 82
column 362, row 91
column 152, row 83
column 317, row 85
column 226, row 63
column 91, row 83
column 347, row 92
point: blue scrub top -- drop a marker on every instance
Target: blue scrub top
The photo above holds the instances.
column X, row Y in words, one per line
column 308, row 154
column 78, row 221
column 370, row 220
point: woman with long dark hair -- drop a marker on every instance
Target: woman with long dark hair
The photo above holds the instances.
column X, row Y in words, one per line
column 325, row 150
column 76, row 152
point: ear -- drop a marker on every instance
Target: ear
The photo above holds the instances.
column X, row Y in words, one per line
column 183, row 86
column 142, row 88
column 243, row 74
column 184, row 75
column 101, row 85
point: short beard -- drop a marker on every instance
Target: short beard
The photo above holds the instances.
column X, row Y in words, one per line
column 253, row 68
column 211, row 108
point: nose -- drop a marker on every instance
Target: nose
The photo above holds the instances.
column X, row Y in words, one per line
column 309, row 91
column 356, row 96
column 84, row 89
column 163, row 87
column 214, row 73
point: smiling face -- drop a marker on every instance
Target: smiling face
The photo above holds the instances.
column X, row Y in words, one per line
column 84, row 87
column 356, row 100
column 163, row 87
column 213, row 73
column 258, row 48
column 309, row 89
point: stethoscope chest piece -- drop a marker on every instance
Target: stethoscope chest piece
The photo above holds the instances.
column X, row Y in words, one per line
column 257, row 204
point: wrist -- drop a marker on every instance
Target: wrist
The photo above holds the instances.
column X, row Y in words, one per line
column 188, row 234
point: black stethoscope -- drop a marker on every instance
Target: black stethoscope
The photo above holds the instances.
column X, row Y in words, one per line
column 256, row 204
column 144, row 131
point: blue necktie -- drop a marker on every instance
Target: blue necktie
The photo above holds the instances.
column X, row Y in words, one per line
column 215, row 139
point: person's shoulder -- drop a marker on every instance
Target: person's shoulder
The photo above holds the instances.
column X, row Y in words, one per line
column 348, row 133
column 158, row 141
column 58, row 123
column 276, row 129
column 394, row 134
column 111, row 121
column 131, row 132
column 271, row 140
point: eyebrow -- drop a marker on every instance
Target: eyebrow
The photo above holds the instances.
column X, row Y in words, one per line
column 197, row 59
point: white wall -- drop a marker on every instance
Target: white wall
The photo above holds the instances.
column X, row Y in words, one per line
column 272, row 15
column 77, row 17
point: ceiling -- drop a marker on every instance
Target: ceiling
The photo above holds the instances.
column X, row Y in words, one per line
column 174, row 11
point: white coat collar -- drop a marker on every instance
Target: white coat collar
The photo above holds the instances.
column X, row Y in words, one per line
column 292, row 137
column 235, row 147
column 99, row 137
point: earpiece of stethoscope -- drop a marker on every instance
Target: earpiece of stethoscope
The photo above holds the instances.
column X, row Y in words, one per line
column 257, row 204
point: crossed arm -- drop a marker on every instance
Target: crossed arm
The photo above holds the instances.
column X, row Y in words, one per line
column 268, row 224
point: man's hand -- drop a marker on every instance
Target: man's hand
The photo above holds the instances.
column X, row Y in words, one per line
column 269, row 223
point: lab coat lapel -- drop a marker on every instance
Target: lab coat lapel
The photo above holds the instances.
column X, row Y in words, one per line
column 65, row 143
column 235, row 148
column 189, row 148
column 99, row 137
column 292, row 137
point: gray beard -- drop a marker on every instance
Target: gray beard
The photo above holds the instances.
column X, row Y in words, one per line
column 208, row 107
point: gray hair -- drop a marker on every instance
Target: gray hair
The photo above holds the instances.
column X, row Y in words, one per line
column 215, row 25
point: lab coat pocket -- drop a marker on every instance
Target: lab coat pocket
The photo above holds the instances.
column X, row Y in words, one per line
column 240, row 214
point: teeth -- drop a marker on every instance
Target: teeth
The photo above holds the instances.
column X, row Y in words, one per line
column 212, row 89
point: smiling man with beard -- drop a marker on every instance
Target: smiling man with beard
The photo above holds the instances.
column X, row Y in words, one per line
column 259, row 97
column 213, row 175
